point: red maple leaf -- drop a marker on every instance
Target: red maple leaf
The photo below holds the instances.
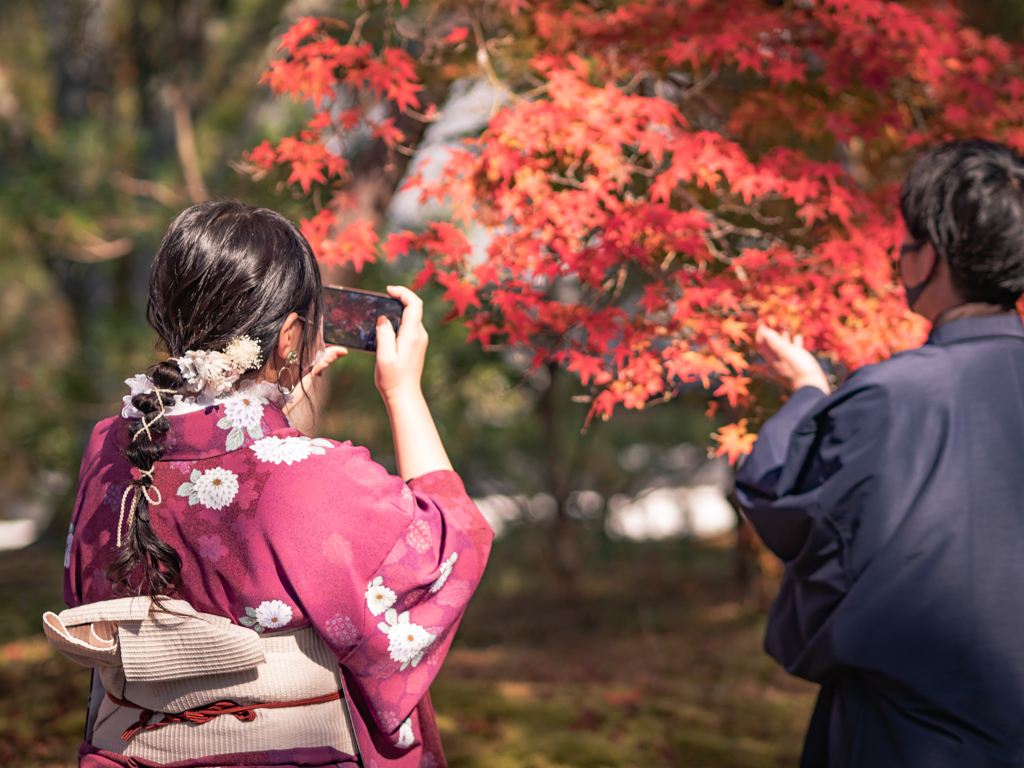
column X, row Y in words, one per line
column 735, row 330
column 305, row 173
column 263, row 155
column 734, row 440
column 590, row 191
column 588, row 366
column 355, row 245
column 387, row 131
column 460, row 293
column 300, row 30
column 457, row 35
column 734, row 388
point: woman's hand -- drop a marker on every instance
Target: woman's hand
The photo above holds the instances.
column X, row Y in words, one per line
column 791, row 365
column 418, row 447
column 400, row 360
column 310, row 397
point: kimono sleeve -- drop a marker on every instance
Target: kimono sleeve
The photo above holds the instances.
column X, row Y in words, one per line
column 816, row 473
column 414, row 602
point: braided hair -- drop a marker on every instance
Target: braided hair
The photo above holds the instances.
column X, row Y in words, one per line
column 223, row 270
column 161, row 565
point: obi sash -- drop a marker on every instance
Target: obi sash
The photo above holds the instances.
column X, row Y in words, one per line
column 199, row 674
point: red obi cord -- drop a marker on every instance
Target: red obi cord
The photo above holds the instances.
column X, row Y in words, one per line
column 210, row 711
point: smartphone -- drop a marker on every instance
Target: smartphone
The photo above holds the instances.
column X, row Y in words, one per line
column 350, row 316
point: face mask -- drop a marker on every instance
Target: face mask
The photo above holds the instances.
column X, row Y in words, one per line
column 914, row 292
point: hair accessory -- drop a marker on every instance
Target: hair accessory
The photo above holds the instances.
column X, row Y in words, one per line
column 145, row 482
column 213, row 372
column 286, row 368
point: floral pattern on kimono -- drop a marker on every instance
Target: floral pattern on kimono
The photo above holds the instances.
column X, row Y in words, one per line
column 289, row 530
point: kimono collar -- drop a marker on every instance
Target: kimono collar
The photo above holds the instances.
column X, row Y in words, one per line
column 972, row 328
column 217, row 429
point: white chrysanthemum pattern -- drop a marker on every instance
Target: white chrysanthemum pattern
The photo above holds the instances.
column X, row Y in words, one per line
column 405, row 735
column 407, row 642
column 259, row 389
column 273, row 614
column 216, row 487
column 289, row 449
column 67, row 550
column 378, row 597
column 245, row 412
column 446, row 571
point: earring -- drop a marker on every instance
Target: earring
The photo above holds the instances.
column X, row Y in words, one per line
column 286, row 368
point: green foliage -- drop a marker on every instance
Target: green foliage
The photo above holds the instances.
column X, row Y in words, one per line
column 90, row 174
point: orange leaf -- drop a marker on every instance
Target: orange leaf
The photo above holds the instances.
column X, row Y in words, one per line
column 734, row 388
column 734, row 440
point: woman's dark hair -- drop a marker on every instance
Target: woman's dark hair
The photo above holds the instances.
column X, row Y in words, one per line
column 223, row 270
column 965, row 198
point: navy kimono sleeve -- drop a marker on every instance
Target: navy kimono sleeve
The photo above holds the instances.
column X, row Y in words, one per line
column 811, row 489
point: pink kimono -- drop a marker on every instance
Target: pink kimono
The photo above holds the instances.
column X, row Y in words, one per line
column 277, row 530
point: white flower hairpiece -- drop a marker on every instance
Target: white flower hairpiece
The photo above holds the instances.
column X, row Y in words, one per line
column 215, row 373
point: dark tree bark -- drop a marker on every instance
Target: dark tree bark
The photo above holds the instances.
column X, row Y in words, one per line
column 375, row 176
column 565, row 552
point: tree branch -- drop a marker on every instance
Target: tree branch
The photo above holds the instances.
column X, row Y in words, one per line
column 162, row 194
column 185, row 141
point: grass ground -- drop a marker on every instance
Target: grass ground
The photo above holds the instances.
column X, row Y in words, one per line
column 656, row 661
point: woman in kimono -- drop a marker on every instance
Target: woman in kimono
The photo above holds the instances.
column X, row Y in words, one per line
column 249, row 594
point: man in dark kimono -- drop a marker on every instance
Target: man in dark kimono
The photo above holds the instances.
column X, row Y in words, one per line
column 897, row 502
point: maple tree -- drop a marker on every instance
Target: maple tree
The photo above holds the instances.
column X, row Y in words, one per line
column 659, row 177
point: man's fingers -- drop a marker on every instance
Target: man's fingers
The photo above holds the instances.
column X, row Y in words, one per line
column 764, row 333
column 770, row 341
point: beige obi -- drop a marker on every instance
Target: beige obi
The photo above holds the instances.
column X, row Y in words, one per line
column 171, row 659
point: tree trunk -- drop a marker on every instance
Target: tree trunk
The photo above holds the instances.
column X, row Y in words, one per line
column 375, row 176
column 565, row 553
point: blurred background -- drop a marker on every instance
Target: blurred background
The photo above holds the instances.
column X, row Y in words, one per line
column 619, row 622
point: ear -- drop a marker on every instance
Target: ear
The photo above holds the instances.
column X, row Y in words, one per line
column 917, row 265
column 289, row 339
column 926, row 261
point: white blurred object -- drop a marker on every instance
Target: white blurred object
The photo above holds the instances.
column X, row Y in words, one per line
column 15, row 534
column 700, row 511
column 498, row 511
column 466, row 112
column 27, row 518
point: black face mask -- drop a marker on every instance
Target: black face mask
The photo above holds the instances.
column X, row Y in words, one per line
column 914, row 292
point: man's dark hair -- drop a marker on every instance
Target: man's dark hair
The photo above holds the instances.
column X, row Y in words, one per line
column 965, row 198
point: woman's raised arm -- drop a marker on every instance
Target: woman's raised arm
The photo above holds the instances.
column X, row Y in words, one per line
column 418, row 448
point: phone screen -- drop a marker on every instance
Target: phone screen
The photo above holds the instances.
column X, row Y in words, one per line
column 350, row 316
